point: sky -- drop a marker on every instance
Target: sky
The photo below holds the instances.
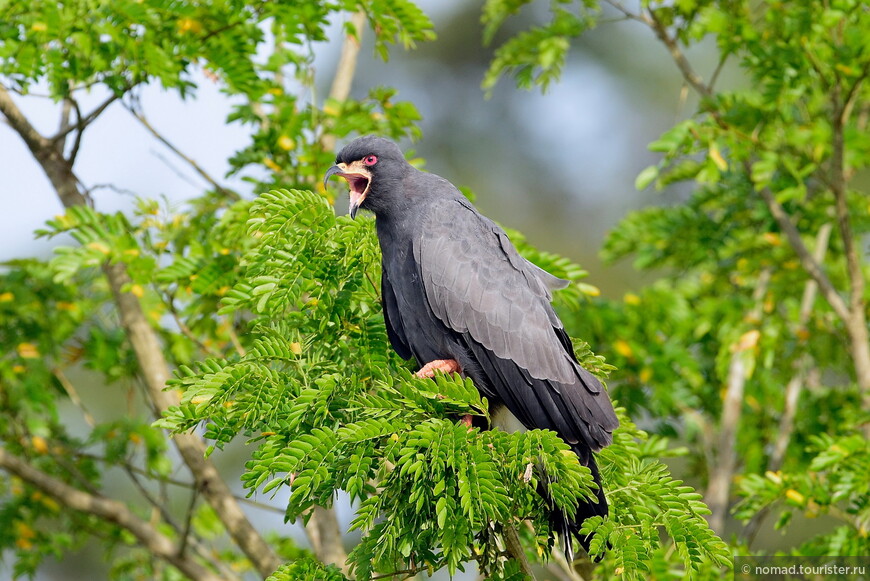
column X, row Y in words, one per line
column 558, row 166
column 117, row 150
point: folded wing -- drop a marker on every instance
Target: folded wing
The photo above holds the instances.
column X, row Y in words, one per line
column 499, row 304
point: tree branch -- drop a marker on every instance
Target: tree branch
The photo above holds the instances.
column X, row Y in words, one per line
column 149, row 354
column 16, row 119
column 856, row 318
column 795, row 385
column 58, row 169
column 81, row 124
column 108, row 510
column 689, row 74
column 344, row 72
column 719, row 487
column 189, row 160
column 155, row 372
column 324, row 534
column 813, row 267
column 839, row 189
column 514, row 548
column 65, row 112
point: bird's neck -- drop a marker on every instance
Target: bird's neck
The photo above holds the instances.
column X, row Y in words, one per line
column 392, row 228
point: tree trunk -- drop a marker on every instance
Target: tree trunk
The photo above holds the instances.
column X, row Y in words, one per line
column 719, row 488
column 149, row 353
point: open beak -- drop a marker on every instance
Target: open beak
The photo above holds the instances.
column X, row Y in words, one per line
column 358, row 178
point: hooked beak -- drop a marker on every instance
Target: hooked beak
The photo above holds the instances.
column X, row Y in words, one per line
column 358, row 178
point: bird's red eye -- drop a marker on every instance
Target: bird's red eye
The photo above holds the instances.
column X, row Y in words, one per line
column 370, row 160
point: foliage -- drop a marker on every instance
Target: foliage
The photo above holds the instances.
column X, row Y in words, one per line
column 60, row 332
column 834, row 485
column 270, row 312
column 269, row 309
column 326, row 418
column 336, row 410
column 775, row 166
column 307, row 568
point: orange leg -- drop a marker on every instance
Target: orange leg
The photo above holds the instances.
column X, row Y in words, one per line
column 444, row 366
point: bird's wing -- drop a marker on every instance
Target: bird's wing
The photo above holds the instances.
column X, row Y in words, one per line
column 480, row 287
column 392, row 319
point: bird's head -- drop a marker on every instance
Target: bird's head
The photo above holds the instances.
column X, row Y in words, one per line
column 374, row 168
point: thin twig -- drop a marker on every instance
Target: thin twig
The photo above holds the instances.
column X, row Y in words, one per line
column 73, row 395
column 185, row 330
column 809, row 264
column 719, row 488
column 188, row 521
column 186, row 538
column 408, row 572
column 628, row 14
column 181, row 175
column 108, row 510
column 689, row 74
column 76, row 473
column 795, row 385
column 371, row 282
column 344, row 73
column 234, row 338
column 74, row 152
column 114, row 188
column 189, row 160
column 81, row 124
column 723, row 58
column 164, row 513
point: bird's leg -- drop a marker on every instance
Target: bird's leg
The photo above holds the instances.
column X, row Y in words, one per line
column 444, row 366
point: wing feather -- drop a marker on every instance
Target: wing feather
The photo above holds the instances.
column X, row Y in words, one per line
column 393, row 320
column 499, row 304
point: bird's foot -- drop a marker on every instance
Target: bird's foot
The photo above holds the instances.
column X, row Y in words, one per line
column 442, row 365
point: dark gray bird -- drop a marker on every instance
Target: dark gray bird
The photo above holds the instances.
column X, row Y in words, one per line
column 458, row 297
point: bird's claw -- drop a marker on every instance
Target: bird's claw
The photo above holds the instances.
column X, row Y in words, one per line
column 442, row 365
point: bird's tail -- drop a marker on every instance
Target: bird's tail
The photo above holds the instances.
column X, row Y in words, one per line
column 567, row 526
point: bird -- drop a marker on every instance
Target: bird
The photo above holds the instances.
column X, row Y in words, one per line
column 458, row 297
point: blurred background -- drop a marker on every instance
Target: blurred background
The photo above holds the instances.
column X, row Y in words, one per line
column 559, row 167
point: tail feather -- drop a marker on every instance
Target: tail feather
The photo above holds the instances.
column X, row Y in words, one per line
column 568, row 526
